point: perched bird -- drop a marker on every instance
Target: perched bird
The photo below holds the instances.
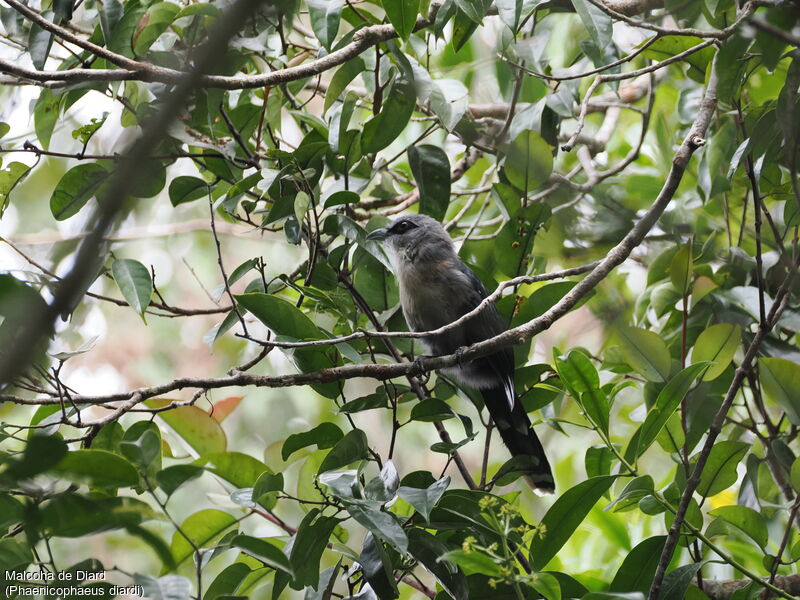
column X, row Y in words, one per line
column 436, row 288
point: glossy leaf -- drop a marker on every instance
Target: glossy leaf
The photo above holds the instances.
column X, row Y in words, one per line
column 341, row 79
column 529, row 161
column 720, row 471
column 185, row 189
column 325, row 16
column 158, row 18
column 668, row 400
column 352, row 447
column 431, row 169
column 423, row 500
column 781, row 380
column 382, row 129
column 564, row 517
column 717, row 345
column 239, row 469
column 676, row 582
column 430, row 551
column 196, row 427
column 264, row 551
column 325, row 435
column 203, row 528
column 747, row 520
column 402, row 14
column 135, row 283
column 75, row 188
column 636, row 572
column 10, row 176
column 645, row 352
column 98, row 468
column 597, row 23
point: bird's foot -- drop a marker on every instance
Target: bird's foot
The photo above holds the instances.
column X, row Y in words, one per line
column 419, row 364
column 459, row 353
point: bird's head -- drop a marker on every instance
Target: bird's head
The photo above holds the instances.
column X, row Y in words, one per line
column 411, row 232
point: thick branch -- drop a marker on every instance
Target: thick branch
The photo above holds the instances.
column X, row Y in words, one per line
column 724, row 589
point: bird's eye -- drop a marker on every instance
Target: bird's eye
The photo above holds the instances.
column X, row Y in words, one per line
column 402, row 226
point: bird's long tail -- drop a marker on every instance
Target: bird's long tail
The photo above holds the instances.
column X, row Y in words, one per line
column 515, row 429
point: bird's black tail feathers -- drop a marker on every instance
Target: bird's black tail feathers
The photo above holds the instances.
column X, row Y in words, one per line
column 515, row 429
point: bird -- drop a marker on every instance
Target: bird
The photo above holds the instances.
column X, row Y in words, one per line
column 437, row 288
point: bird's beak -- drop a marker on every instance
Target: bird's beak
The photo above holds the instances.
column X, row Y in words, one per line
column 379, row 234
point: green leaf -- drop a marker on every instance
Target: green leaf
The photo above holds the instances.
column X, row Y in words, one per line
column 45, row 116
column 636, row 572
column 423, row 500
column 264, row 551
column 325, row 16
column 509, row 12
column 431, row 169
column 668, row 46
column 308, row 545
column 720, row 470
column 325, row 435
column 228, row 580
column 598, row 461
column 158, row 18
column 75, row 188
column 429, row 551
column 677, row 582
column 717, row 345
column 13, row 173
column 795, row 474
column 402, row 14
column 203, row 528
column 39, row 42
column 98, row 468
column 645, row 352
column 196, row 427
column 577, row 372
column 746, row 519
column 135, row 283
column 463, row 28
column 667, row 401
column 680, row 269
column 474, row 9
column 185, row 189
column 280, row 316
column 547, row 586
column 597, row 23
column 564, row 516
column 473, row 562
column 341, row 79
column 42, row 452
column 636, row 489
column 237, row 468
column 529, row 161
column 267, row 483
column 352, row 447
column 171, row 478
column 14, row 555
column 285, row 319
column 382, row 129
column 780, row 379
column 141, row 445
column 431, row 410
column 11, row 511
column 72, row 515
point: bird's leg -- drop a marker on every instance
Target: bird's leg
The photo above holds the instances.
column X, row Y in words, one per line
column 419, row 363
column 459, row 353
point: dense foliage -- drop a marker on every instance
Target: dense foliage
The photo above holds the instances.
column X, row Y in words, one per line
column 279, row 441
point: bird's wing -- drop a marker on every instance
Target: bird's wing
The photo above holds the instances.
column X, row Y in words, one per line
column 490, row 325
